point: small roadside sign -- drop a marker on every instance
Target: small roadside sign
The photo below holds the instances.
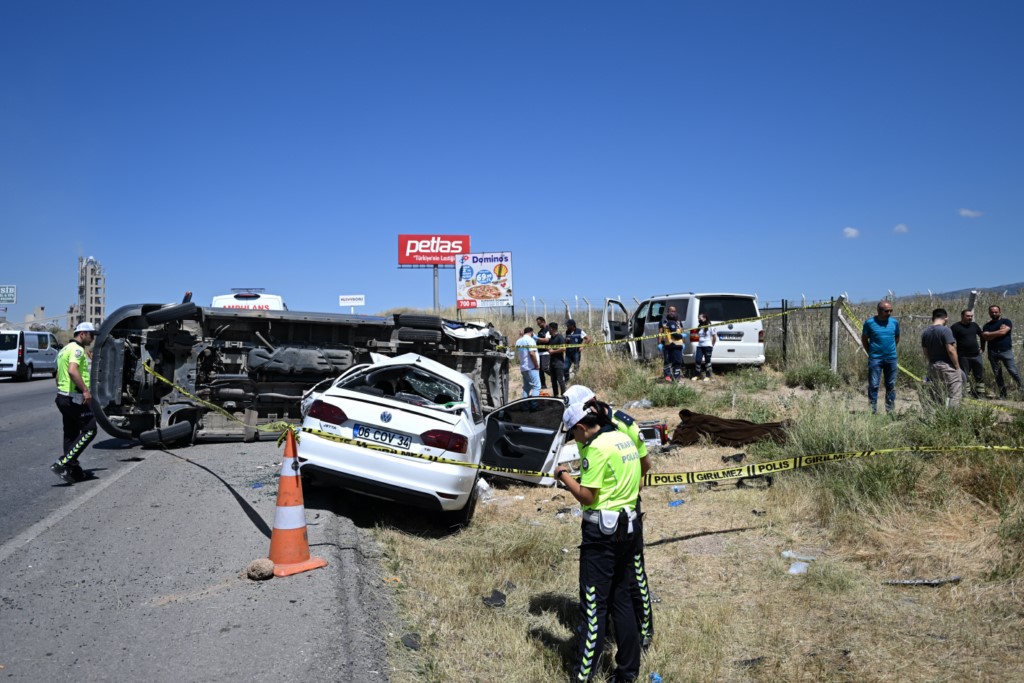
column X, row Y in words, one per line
column 8, row 294
column 3, row 309
column 352, row 300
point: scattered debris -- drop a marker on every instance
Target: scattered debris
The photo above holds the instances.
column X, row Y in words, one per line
column 707, row 485
column 257, row 485
column 655, row 678
column 798, row 568
column 642, row 403
column 392, row 579
column 931, row 583
column 749, row 662
column 675, row 503
column 790, row 555
column 759, row 482
column 411, row 641
column 496, row 599
column 736, row 457
column 484, row 491
column 759, row 513
column 260, row 570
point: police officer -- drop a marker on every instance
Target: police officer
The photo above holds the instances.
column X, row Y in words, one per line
column 608, row 489
column 622, row 421
column 73, row 398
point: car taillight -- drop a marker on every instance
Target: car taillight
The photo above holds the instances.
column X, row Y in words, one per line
column 325, row 412
column 449, row 441
column 694, row 336
column 760, row 336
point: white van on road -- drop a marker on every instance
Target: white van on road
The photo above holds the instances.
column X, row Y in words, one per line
column 739, row 343
column 23, row 354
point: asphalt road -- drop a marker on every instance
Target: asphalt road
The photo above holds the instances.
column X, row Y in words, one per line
column 137, row 574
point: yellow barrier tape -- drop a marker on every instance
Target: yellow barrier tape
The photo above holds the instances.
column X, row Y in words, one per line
column 654, row 479
column 420, row 456
column 790, row 464
column 279, row 426
column 545, row 347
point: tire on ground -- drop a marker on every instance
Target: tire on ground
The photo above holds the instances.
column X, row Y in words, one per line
column 172, row 434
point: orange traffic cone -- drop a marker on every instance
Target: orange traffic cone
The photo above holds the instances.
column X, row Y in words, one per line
column 289, row 546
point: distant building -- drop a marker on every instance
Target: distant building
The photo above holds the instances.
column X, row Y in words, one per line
column 92, row 294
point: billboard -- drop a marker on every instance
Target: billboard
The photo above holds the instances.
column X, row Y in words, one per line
column 9, row 293
column 431, row 250
column 484, row 280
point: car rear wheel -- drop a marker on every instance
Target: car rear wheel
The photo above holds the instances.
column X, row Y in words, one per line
column 26, row 373
column 460, row 519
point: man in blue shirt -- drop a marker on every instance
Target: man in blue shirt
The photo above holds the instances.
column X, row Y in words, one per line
column 879, row 336
column 996, row 333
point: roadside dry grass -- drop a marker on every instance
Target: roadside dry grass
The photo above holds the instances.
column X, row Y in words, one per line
column 727, row 609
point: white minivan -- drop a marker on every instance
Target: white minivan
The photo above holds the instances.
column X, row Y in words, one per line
column 740, row 339
column 23, row 354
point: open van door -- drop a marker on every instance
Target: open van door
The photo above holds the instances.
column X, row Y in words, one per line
column 616, row 325
column 528, row 435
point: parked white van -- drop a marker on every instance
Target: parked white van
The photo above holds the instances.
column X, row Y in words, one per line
column 23, row 354
column 739, row 343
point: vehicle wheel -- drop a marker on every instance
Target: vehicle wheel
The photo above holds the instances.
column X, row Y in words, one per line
column 54, row 374
column 178, row 433
column 412, row 334
column 460, row 519
column 26, row 374
column 419, row 320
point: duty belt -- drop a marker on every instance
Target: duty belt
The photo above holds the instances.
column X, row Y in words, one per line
column 594, row 516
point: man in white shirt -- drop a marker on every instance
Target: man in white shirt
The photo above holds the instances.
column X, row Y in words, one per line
column 529, row 363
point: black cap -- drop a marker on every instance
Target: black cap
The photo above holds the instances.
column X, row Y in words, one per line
column 570, row 321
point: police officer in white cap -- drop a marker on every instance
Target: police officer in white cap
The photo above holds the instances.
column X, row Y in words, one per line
column 607, row 491
column 73, row 398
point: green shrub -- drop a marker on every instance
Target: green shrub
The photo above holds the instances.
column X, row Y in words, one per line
column 669, row 395
column 753, row 379
column 812, row 376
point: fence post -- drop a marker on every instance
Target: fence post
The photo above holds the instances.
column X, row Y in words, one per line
column 590, row 322
column 785, row 330
column 973, row 299
column 833, row 337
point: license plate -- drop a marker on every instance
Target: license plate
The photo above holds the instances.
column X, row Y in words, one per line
column 383, row 436
column 730, row 336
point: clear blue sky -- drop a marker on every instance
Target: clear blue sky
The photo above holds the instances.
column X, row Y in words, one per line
column 780, row 148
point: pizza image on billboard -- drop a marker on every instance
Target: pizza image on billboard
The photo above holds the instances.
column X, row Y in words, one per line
column 483, row 280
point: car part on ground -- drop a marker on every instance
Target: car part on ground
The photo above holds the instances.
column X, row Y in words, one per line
column 255, row 365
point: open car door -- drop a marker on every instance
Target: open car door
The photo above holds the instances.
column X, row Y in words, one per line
column 528, row 435
column 615, row 324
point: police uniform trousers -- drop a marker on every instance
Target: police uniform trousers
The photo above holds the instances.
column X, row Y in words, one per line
column 606, row 577
column 79, row 428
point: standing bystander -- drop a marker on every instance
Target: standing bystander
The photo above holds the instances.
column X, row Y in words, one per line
column 542, row 336
column 969, row 347
column 529, row 363
column 879, row 336
column 996, row 333
column 556, row 344
column 72, row 401
column 573, row 336
column 939, row 347
column 707, row 337
column 671, row 341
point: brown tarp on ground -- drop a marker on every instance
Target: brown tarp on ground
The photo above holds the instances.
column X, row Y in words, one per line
column 722, row 431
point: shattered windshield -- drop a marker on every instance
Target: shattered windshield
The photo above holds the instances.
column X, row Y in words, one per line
column 404, row 383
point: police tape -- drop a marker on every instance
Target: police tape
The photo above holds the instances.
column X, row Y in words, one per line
column 626, row 340
column 420, row 456
column 279, row 426
column 668, row 479
column 801, row 461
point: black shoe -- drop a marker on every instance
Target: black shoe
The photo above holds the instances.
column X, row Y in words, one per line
column 77, row 473
column 62, row 472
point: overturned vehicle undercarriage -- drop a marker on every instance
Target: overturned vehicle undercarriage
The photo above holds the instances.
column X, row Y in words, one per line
column 255, row 365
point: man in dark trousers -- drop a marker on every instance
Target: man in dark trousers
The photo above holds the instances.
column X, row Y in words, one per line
column 939, row 348
column 996, row 333
column 543, row 335
column 969, row 347
column 556, row 350
column 72, row 401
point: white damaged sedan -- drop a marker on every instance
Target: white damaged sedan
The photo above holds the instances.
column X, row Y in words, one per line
column 375, row 428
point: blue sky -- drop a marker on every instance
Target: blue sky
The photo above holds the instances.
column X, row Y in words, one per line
column 616, row 149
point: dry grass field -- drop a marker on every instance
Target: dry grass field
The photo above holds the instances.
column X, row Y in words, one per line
column 727, row 609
